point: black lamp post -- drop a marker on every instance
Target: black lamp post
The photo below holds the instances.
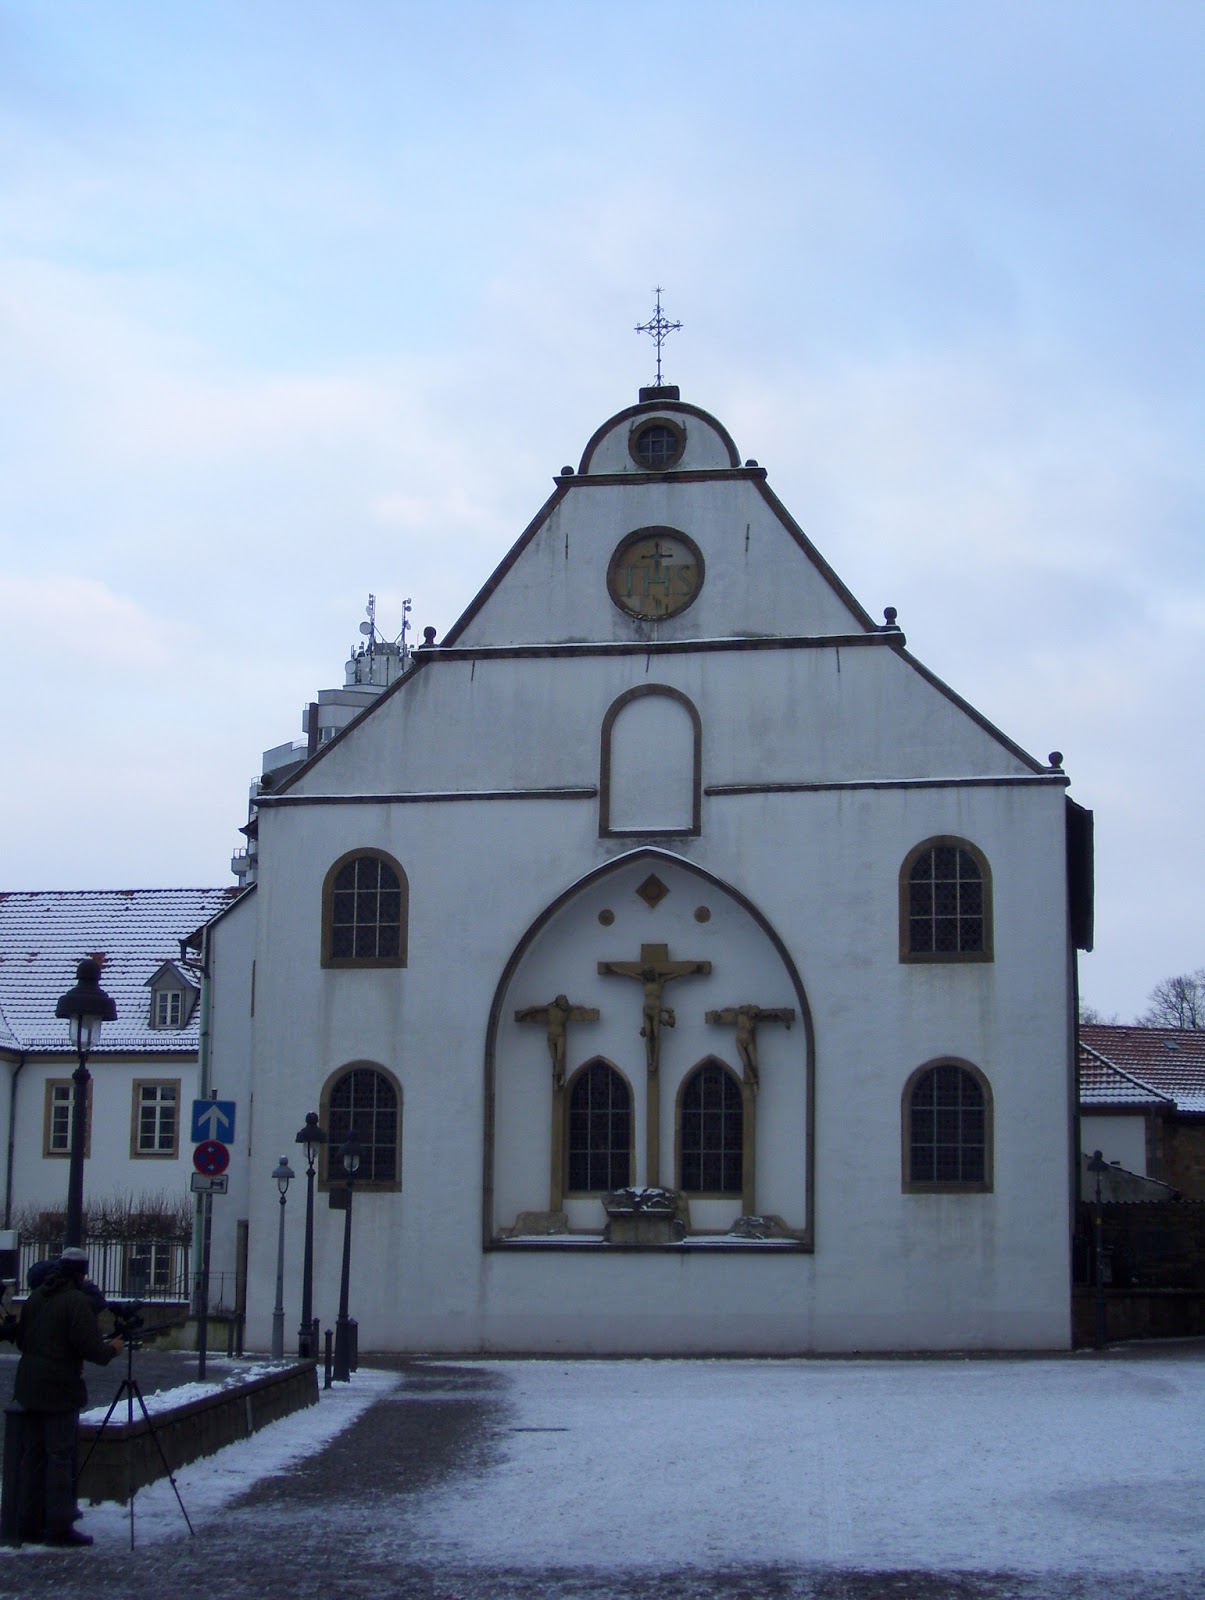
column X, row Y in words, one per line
column 311, row 1138
column 85, row 1007
column 283, row 1175
column 350, row 1154
column 1096, row 1166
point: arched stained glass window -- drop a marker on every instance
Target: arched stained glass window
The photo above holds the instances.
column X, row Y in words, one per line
column 945, row 903
column 368, row 1099
column 948, row 1128
column 365, row 908
column 598, row 1150
column 711, row 1132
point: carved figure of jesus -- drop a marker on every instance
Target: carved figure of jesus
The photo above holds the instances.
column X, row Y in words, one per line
column 654, row 970
column 556, row 1016
column 747, row 1019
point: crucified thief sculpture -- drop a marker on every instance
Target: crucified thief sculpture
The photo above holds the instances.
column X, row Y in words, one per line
column 556, row 1016
column 747, row 1019
column 654, row 970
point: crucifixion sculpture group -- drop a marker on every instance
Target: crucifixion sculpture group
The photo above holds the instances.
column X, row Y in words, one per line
column 653, row 971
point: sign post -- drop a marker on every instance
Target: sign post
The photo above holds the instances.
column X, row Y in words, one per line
column 212, row 1122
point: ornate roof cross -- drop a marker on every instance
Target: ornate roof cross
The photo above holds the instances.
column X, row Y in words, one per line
column 660, row 327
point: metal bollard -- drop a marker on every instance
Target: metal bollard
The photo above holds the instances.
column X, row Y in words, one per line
column 315, row 1338
column 353, row 1344
column 330, row 1358
column 10, row 1489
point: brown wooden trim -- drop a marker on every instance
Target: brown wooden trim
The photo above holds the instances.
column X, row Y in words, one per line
column 989, row 1131
column 938, row 957
column 328, row 885
column 605, row 829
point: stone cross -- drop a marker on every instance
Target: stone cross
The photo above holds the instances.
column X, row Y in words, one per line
column 556, row 1016
column 654, row 970
column 747, row 1019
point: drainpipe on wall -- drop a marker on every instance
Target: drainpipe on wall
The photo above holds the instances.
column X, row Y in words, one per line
column 198, row 1215
column 12, row 1138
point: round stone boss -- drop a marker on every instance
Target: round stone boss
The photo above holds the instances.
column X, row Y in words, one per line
column 655, row 572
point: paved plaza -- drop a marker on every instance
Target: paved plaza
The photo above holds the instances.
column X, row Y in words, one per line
column 1079, row 1478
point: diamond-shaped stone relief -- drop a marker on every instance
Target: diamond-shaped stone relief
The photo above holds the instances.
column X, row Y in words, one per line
column 652, row 891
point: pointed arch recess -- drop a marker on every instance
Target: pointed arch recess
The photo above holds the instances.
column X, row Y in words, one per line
column 650, row 853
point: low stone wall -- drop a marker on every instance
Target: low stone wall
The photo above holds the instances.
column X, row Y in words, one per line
column 125, row 1455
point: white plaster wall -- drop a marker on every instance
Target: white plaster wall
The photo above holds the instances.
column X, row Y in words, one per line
column 1119, row 1139
column 231, row 957
column 890, row 1270
column 770, row 716
column 758, row 580
column 110, row 1168
column 705, row 448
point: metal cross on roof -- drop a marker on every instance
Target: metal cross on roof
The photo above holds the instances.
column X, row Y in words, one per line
column 660, row 327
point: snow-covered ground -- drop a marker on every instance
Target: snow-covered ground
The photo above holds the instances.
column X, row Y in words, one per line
column 1030, row 1466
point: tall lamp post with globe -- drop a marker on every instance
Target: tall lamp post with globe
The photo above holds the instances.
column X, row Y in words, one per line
column 311, row 1138
column 85, row 1008
column 283, row 1176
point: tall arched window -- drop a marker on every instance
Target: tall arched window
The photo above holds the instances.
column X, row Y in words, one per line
column 368, row 1099
column 711, row 1132
column 945, row 903
column 947, row 1128
column 598, row 1149
column 365, row 910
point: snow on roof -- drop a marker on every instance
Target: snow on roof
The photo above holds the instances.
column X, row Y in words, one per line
column 1136, row 1066
column 44, row 935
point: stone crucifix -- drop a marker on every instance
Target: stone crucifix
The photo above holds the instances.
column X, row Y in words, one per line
column 654, row 970
column 556, row 1016
column 747, row 1020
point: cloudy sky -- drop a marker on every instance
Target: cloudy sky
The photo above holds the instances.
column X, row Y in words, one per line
column 304, row 300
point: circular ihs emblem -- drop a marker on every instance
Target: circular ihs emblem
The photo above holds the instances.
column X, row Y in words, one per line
column 655, row 572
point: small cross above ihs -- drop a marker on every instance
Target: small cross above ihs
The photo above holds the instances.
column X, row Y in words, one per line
column 660, row 327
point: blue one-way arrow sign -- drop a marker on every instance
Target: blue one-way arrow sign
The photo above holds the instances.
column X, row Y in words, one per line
column 212, row 1119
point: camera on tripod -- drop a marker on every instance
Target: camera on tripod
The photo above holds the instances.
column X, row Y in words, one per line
column 129, row 1323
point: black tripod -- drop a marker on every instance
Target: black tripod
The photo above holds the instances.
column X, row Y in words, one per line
column 130, row 1389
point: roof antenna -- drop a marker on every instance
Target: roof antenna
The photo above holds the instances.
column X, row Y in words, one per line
column 660, row 328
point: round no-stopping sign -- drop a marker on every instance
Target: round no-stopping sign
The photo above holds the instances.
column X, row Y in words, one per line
column 211, row 1157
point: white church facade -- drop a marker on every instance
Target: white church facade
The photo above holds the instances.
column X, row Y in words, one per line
column 696, row 969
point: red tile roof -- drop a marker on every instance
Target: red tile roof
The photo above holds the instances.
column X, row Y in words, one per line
column 1132, row 1065
column 44, row 935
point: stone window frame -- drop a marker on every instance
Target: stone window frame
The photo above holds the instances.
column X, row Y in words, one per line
column 62, row 1151
column 641, row 426
column 929, row 957
column 137, row 1150
column 330, row 1171
column 668, row 692
column 365, row 852
column 571, row 1082
column 748, row 1137
column 983, row 1185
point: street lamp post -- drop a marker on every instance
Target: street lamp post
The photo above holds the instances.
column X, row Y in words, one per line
column 85, row 1007
column 1096, row 1166
column 350, row 1153
column 311, row 1138
column 284, row 1175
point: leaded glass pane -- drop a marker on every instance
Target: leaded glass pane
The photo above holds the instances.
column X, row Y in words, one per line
column 712, row 1133
column 599, row 1146
column 948, row 1121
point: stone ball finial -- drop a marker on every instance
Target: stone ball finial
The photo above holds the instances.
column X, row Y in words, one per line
column 1056, row 759
column 428, row 638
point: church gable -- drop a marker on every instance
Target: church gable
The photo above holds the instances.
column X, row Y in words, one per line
column 661, row 533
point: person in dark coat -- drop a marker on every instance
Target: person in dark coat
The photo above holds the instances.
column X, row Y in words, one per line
column 57, row 1333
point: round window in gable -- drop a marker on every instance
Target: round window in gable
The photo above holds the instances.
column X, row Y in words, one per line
column 657, row 446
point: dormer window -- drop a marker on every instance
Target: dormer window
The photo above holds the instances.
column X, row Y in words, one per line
column 173, row 998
